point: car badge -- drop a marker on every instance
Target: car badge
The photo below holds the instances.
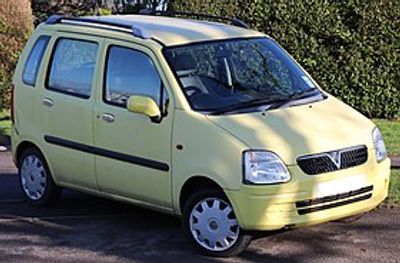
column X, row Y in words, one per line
column 335, row 158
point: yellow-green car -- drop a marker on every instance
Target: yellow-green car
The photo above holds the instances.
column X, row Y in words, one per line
column 209, row 121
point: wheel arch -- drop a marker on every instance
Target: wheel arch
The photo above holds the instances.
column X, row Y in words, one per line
column 208, row 191
column 23, row 146
column 196, row 183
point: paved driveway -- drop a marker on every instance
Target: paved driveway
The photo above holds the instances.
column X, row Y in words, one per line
column 82, row 228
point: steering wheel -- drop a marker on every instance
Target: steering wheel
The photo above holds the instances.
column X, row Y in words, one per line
column 193, row 91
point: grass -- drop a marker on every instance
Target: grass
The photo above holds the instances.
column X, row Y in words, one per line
column 394, row 188
column 5, row 126
column 391, row 134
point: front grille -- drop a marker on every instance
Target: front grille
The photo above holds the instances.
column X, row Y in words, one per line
column 333, row 161
column 332, row 201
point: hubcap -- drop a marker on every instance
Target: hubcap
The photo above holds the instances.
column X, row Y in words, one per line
column 33, row 177
column 213, row 224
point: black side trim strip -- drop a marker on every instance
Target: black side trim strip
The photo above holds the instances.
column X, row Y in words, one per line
column 331, row 198
column 107, row 153
column 333, row 205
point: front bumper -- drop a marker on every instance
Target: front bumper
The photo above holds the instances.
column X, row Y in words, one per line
column 296, row 203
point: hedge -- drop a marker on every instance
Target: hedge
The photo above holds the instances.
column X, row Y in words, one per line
column 351, row 48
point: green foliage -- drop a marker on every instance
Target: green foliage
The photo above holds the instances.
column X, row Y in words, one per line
column 5, row 123
column 43, row 9
column 391, row 135
column 352, row 48
column 132, row 8
column 15, row 27
column 394, row 188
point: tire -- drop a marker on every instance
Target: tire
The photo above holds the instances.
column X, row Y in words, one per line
column 211, row 226
column 35, row 179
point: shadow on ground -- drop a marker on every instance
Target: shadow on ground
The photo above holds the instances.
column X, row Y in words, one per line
column 82, row 228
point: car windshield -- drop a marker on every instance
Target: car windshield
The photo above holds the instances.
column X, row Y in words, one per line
column 237, row 75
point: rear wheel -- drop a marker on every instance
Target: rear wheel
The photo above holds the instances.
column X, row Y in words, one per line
column 36, row 182
column 211, row 225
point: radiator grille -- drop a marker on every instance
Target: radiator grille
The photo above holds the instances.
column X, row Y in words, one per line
column 333, row 161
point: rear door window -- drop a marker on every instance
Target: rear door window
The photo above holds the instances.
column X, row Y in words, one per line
column 72, row 67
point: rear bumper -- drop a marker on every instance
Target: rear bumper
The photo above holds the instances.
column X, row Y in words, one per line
column 297, row 204
column 15, row 141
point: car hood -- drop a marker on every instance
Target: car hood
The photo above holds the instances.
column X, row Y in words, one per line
column 300, row 130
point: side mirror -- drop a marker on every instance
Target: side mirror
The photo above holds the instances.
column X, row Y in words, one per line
column 144, row 105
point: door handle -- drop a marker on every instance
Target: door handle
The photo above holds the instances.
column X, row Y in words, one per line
column 108, row 117
column 48, row 102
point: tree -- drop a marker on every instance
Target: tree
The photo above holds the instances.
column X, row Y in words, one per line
column 15, row 26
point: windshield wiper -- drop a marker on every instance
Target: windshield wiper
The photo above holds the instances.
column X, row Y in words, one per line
column 241, row 106
column 273, row 104
column 292, row 97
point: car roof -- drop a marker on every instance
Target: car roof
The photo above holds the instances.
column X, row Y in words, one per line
column 178, row 31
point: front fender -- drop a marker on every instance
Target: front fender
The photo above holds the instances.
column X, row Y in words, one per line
column 201, row 148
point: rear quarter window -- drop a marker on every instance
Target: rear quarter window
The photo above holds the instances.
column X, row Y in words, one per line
column 34, row 60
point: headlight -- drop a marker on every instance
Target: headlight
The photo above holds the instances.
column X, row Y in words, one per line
column 262, row 167
column 379, row 145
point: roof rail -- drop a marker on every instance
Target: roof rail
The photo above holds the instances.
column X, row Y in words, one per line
column 234, row 21
column 136, row 31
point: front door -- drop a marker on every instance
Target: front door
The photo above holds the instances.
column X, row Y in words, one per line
column 133, row 152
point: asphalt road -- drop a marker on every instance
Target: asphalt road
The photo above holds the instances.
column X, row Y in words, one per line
column 82, row 228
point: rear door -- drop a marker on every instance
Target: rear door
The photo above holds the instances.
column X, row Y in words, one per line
column 66, row 109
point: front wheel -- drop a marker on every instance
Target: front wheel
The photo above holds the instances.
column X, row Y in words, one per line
column 211, row 225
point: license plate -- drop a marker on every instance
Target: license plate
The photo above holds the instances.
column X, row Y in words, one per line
column 342, row 185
